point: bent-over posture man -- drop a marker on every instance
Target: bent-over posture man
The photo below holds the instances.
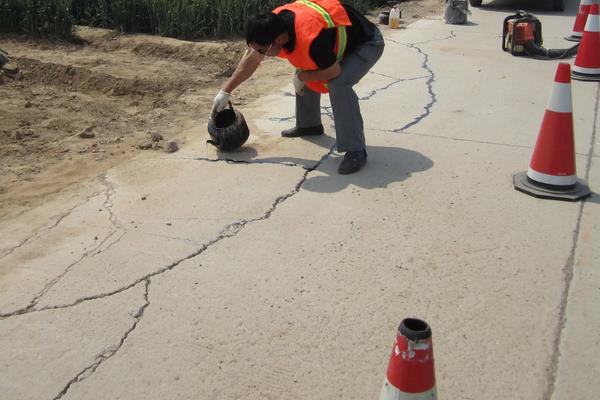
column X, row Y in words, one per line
column 332, row 47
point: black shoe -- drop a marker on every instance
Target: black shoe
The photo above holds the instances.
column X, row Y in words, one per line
column 297, row 132
column 353, row 161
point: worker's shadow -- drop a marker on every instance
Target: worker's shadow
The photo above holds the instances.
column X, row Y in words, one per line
column 385, row 165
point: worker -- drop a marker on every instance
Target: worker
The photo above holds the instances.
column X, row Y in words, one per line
column 332, row 46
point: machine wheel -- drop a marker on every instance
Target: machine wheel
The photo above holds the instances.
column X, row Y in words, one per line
column 477, row 3
column 559, row 5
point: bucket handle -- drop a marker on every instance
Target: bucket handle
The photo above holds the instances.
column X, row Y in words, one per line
column 212, row 116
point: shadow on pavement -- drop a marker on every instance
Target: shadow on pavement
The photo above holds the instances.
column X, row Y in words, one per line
column 594, row 198
column 385, row 165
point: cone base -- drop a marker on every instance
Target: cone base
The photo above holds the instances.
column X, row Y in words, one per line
column 585, row 77
column 573, row 38
column 525, row 185
column 390, row 392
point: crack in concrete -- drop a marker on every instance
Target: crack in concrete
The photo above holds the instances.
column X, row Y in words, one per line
column 229, row 231
column 179, row 239
column 234, row 228
column 568, row 274
column 386, row 87
column 115, row 227
column 48, row 229
column 429, row 83
column 430, row 79
column 282, row 119
column 452, row 36
column 232, row 161
column 108, row 353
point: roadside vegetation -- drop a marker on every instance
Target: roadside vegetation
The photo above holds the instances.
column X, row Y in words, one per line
column 183, row 19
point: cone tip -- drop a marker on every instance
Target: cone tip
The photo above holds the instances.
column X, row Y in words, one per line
column 415, row 329
column 563, row 73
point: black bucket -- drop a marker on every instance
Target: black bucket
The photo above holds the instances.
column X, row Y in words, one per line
column 228, row 129
column 384, row 18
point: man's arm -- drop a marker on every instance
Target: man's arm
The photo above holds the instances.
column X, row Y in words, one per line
column 247, row 66
column 321, row 74
column 322, row 51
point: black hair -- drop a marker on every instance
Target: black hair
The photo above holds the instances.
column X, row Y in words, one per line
column 264, row 27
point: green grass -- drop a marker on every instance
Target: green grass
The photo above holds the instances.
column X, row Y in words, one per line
column 48, row 18
column 184, row 19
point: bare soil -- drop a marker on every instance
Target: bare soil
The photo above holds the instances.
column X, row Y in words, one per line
column 82, row 108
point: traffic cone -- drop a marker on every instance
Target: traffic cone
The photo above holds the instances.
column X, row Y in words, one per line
column 587, row 62
column 552, row 172
column 410, row 373
column 578, row 27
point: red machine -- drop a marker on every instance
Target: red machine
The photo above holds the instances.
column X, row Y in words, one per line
column 522, row 36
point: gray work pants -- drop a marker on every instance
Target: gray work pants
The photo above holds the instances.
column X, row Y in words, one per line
column 349, row 129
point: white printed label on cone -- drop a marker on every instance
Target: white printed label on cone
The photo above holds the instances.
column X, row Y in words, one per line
column 561, row 101
column 551, row 179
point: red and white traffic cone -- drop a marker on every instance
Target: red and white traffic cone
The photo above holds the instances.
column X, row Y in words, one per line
column 552, row 170
column 587, row 62
column 580, row 20
column 410, row 374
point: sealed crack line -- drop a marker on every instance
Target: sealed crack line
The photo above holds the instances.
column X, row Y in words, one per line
column 429, row 83
column 232, row 161
column 451, row 36
column 394, row 78
column 108, row 353
column 327, row 110
column 568, row 274
column 386, row 87
column 229, row 231
column 115, row 227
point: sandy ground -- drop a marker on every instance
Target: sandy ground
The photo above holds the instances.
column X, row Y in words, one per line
column 125, row 93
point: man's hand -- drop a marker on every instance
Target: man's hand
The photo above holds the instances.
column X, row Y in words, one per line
column 298, row 84
column 220, row 101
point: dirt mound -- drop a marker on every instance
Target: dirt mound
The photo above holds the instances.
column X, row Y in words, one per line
column 213, row 56
column 220, row 54
column 73, row 78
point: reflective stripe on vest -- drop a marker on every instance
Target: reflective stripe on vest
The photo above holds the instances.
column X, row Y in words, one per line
column 342, row 41
column 342, row 37
column 320, row 10
column 312, row 17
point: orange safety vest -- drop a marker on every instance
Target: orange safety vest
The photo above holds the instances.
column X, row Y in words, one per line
column 311, row 17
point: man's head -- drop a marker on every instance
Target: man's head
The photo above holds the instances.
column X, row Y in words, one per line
column 267, row 33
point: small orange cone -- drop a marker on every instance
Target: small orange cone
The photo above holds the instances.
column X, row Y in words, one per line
column 410, row 374
column 587, row 62
column 582, row 14
column 552, row 171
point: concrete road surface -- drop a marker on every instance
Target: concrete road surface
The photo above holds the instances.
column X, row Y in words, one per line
column 263, row 274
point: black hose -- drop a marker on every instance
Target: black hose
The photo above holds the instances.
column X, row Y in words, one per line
column 533, row 49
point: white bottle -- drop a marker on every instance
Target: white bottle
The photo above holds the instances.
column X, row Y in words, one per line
column 394, row 17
